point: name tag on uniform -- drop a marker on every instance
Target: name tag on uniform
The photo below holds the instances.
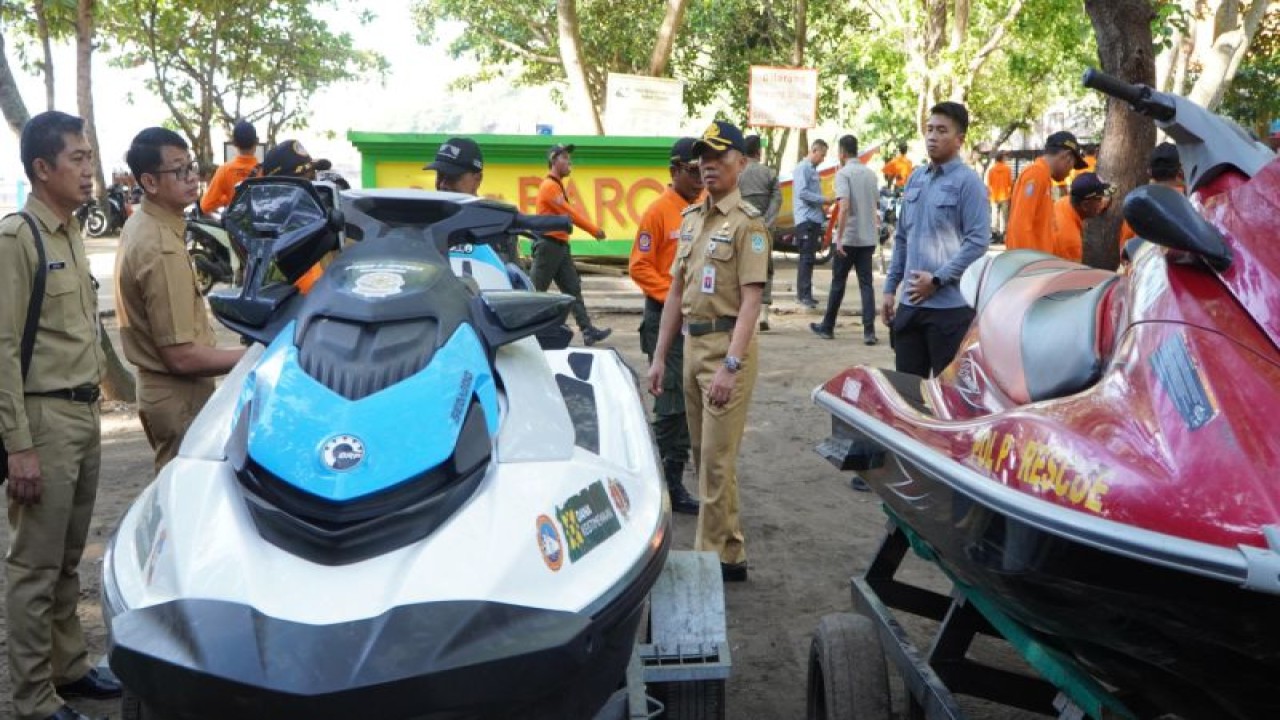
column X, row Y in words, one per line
column 58, row 265
column 709, row 279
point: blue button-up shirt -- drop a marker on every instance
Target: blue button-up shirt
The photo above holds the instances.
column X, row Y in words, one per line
column 806, row 194
column 943, row 227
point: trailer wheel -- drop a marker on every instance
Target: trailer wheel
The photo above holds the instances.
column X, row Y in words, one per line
column 848, row 679
column 693, row 700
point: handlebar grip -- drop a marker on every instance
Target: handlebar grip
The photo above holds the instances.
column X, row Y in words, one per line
column 542, row 223
column 1114, row 86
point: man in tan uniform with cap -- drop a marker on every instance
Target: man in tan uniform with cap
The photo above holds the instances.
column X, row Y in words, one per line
column 49, row 423
column 163, row 323
column 717, row 281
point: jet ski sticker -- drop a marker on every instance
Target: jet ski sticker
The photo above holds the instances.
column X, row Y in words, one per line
column 549, row 543
column 588, row 519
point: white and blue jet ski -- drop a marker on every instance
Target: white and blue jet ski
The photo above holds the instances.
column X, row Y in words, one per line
column 399, row 504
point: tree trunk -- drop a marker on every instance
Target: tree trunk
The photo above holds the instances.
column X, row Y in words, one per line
column 84, row 88
column 1227, row 35
column 797, row 59
column 1125, row 49
column 571, row 57
column 15, row 111
column 46, row 69
column 117, row 383
column 666, row 40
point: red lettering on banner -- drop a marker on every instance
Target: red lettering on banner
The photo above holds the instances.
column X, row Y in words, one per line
column 528, row 194
column 638, row 187
column 609, row 198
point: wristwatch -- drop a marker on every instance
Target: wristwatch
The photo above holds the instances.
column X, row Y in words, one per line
column 732, row 364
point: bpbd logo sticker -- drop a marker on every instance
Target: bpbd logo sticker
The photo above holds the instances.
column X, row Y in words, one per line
column 588, row 519
column 549, row 543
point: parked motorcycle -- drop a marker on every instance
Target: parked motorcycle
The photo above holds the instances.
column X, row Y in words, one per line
column 215, row 258
column 890, row 203
column 99, row 219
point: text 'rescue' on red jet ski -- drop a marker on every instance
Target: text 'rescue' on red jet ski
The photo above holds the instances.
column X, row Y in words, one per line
column 1100, row 459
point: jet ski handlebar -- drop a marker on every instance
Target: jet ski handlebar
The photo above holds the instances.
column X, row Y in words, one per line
column 1141, row 98
column 541, row 223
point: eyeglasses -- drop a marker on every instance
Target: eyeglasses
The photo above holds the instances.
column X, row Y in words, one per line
column 691, row 168
column 182, row 173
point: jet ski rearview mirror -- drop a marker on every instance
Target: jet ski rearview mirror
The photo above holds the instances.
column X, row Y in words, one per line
column 1166, row 217
column 504, row 316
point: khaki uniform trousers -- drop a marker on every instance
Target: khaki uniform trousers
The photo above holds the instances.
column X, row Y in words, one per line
column 46, row 642
column 715, row 434
column 166, row 406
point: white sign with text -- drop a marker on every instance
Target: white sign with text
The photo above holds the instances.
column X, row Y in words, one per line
column 783, row 97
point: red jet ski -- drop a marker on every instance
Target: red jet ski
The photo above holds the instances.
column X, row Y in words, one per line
column 1099, row 458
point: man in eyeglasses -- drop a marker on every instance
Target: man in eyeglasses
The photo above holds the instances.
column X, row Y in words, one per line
column 651, row 256
column 163, row 324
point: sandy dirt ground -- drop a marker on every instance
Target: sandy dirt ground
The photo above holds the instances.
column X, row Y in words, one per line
column 807, row 531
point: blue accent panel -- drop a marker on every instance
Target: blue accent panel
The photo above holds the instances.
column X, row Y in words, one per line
column 479, row 253
column 406, row 429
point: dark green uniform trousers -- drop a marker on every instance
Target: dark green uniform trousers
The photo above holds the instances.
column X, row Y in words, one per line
column 670, row 425
column 553, row 262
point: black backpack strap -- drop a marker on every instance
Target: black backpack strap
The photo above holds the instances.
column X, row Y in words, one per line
column 37, row 295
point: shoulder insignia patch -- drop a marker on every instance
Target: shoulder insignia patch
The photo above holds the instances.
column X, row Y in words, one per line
column 749, row 209
column 644, row 240
column 757, row 243
column 1031, row 188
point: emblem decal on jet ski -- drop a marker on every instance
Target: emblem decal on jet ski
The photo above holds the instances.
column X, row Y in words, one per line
column 620, row 498
column 549, row 543
column 588, row 519
column 378, row 284
column 342, row 452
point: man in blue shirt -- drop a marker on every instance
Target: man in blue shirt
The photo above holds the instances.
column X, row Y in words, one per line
column 944, row 225
column 808, row 209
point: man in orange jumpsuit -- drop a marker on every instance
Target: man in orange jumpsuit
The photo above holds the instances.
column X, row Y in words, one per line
column 1031, row 210
column 652, row 255
column 552, row 257
column 223, row 185
column 1088, row 198
column 999, row 185
column 897, row 170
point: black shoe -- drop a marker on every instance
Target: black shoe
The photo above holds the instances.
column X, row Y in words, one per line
column 809, row 303
column 682, row 501
column 66, row 712
column 94, row 686
column 821, row 332
column 869, row 340
column 733, row 572
column 593, row 335
column 858, row 484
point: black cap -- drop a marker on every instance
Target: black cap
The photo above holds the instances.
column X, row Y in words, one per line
column 288, row 159
column 1165, row 153
column 720, row 136
column 682, row 151
column 1087, row 185
column 244, row 135
column 1063, row 140
column 559, row 150
column 458, row 154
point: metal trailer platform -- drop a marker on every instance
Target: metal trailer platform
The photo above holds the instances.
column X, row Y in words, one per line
column 848, row 674
column 679, row 667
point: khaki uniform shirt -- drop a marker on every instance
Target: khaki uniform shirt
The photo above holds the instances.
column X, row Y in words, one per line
column 723, row 246
column 157, row 301
column 758, row 184
column 67, row 354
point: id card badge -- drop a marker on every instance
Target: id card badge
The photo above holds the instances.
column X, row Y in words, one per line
column 709, row 280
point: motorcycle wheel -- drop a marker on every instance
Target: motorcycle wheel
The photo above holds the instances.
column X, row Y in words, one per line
column 824, row 255
column 95, row 224
column 204, row 280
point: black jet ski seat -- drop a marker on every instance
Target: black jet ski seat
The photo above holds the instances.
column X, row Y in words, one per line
column 1045, row 326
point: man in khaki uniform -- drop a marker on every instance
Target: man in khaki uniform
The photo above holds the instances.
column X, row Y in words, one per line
column 163, row 323
column 717, row 281
column 49, row 423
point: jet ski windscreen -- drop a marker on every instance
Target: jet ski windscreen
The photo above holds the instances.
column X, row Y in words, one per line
column 289, row 214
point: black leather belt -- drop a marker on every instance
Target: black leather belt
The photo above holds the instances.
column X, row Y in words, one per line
column 87, row 394
column 720, row 324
